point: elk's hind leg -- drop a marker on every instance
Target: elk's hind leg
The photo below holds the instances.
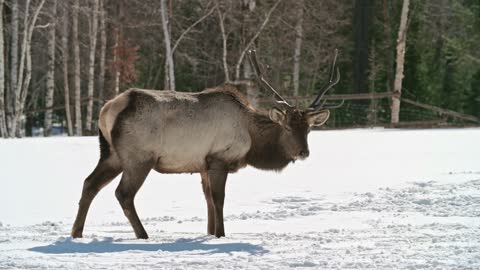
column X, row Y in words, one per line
column 104, row 173
column 208, row 197
column 132, row 179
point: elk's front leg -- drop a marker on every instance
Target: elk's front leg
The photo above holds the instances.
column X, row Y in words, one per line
column 208, row 197
column 217, row 176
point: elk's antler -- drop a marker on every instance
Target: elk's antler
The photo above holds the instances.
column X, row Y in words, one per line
column 252, row 56
column 318, row 103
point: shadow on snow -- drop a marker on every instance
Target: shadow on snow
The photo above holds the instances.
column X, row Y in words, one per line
column 108, row 245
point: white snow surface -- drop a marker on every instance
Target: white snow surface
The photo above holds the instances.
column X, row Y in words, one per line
column 365, row 199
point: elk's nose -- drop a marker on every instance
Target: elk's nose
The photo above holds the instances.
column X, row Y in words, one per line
column 304, row 153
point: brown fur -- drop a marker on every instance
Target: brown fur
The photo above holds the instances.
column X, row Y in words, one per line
column 213, row 132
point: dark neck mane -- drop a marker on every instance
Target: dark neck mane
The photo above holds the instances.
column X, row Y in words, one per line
column 266, row 152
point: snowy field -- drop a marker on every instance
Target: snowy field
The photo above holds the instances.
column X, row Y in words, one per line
column 365, row 199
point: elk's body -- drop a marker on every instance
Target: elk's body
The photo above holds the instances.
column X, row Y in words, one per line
column 213, row 132
column 178, row 131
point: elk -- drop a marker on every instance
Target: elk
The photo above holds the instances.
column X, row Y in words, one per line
column 214, row 132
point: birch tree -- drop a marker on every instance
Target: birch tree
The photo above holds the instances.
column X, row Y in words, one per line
column 3, row 126
column 76, row 77
column 51, row 70
column 66, row 88
column 221, row 20
column 298, row 47
column 103, row 54
column 169, row 72
column 25, row 66
column 12, row 91
column 118, row 37
column 401, row 41
column 91, row 67
column 168, row 48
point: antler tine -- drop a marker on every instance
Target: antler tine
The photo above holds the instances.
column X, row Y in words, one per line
column 335, row 106
column 321, row 102
column 317, row 104
column 252, row 56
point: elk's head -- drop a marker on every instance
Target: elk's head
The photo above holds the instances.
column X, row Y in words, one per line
column 296, row 123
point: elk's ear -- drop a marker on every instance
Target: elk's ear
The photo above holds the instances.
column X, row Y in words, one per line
column 318, row 118
column 277, row 116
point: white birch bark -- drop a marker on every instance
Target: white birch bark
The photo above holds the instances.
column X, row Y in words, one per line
column 298, row 47
column 168, row 46
column 47, row 126
column 3, row 126
column 401, row 41
column 248, row 74
column 103, row 54
column 76, row 77
column 66, row 88
column 11, row 95
column 221, row 19
column 251, row 87
column 115, row 59
column 25, row 68
column 91, row 67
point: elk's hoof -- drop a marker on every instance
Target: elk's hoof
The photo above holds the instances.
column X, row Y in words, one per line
column 142, row 236
column 76, row 234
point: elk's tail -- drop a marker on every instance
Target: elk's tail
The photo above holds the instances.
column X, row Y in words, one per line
column 104, row 146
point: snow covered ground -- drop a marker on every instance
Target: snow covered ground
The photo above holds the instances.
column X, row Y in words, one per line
column 365, row 199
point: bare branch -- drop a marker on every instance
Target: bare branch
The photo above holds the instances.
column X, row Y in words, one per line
column 191, row 27
column 250, row 43
column 42, row 26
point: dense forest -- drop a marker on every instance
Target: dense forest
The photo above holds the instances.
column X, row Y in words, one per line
column 60, row 60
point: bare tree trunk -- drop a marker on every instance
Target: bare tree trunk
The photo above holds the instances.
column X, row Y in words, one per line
column 66, row 87
column 298, row 47
column 248, row 74
column 116, row 76
column 401, row 41
column 91, row 68
column 103, row 54
column 76, row 78
column 372, row 115
column 51, row 71
column 221, row 19
column 25, row 66
column 118, row 46
column 166, row 74
column 252, row 90
column 168, row 47
column 21, row 70
column 3, row 126
column 12, row 95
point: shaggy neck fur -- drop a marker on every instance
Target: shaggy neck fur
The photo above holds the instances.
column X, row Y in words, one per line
column 266, row 151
